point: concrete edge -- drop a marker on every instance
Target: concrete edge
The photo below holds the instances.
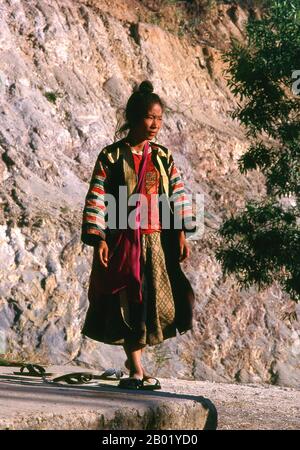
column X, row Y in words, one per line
column 165, row 415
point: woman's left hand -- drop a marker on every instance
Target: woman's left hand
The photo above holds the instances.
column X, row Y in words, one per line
column 184, row 250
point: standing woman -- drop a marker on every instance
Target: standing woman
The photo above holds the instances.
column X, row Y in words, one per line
column 167, row 297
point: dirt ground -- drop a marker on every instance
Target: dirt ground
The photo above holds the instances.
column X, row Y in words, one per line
column 247, row 407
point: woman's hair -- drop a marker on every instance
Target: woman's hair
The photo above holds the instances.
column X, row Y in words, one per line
column 139, row 104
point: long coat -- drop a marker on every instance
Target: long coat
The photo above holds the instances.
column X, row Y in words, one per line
column 115, row 167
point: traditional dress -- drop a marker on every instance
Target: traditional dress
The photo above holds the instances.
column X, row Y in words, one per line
column 167, row 294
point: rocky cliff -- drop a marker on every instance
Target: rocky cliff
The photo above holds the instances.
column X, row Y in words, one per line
column 66, row 70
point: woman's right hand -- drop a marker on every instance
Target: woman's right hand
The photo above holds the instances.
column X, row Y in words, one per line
column 103, row 253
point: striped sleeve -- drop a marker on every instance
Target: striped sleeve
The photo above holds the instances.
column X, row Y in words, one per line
column 182, row 206
column 93, row 220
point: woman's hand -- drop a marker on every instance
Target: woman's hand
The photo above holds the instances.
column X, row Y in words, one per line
column 184, row 250
column 103, row 253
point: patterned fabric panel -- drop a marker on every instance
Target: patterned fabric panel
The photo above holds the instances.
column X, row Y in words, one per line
column 93, row 220
column 182, row 206
column 150, row 190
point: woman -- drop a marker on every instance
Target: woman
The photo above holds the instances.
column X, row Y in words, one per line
column 167, row 296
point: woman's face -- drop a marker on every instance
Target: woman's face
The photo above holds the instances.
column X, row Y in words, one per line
column 151, row 123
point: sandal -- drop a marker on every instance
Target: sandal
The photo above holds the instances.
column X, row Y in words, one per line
column 131, row 383
column 110, row 374
column 86, row 377
column 74, row 378
column 149, row 386
column 33, row 370
column 135, row 383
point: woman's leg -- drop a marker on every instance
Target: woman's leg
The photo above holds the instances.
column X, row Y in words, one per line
column 134, row 353
column 128, row 365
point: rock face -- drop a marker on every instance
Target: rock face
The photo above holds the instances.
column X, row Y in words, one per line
column 66, row 70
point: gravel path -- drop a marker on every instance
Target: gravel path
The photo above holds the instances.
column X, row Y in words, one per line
column 246, row 407
column 239, row 406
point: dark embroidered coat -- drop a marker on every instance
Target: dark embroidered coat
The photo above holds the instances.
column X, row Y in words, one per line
column 115, row 167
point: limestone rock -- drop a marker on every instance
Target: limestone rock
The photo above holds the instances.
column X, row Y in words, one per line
column 65, row 70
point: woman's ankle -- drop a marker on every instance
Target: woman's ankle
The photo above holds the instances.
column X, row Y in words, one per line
column 136, row 374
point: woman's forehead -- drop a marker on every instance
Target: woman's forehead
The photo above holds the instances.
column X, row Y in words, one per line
column 155, row 108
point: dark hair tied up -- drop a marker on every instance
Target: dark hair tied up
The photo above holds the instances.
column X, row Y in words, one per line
column 139, row 104
column 145, row 87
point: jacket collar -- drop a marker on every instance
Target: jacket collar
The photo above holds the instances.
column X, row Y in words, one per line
column 130, row 176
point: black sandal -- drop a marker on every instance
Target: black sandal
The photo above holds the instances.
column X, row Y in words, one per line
column 131, row 383
column 33, row 370
column 110, row 374
column 149, row 386
column 74, row 378
column 135, row 383
column 86, row 377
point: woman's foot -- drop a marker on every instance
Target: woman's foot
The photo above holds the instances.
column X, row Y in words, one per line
column 144, row 375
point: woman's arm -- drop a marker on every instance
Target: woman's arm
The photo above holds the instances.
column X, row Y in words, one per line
column 93, row 229
column 183, row 211
column 184, row 250
column 184, row 218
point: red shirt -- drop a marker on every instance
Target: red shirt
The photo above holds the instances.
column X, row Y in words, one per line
column 150, row 188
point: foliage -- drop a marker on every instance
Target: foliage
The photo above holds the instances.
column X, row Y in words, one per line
column 52, row 96
column 262, row 243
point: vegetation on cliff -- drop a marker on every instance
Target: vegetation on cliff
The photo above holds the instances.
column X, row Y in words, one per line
column 262, row 243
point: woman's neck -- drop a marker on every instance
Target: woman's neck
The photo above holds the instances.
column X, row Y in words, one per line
column 135, row 142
